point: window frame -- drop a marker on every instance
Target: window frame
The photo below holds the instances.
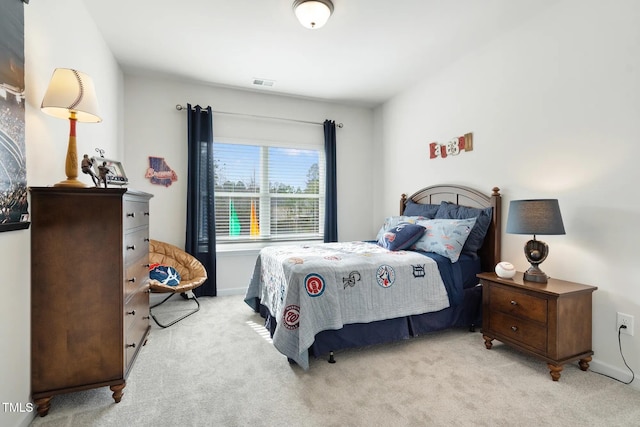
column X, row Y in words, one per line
column 265, row 197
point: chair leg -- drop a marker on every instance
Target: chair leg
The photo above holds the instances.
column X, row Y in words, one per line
column 162, row 325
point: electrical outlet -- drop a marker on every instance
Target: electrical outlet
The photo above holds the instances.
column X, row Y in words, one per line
column 626, row 320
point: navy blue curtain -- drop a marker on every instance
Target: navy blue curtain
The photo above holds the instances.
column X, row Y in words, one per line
column 201, row 224
column 331, row 192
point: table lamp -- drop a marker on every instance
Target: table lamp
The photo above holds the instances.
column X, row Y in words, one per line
column 71, row 95
column 540, row 216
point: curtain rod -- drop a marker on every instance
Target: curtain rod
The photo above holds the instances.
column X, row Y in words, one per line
column 182, row 107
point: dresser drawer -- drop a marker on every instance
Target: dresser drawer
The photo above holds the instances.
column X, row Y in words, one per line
column 135, row 275
column 136, row 323
column 134, row 214
column 137, row 308
column 523, row 331
column 136, row 246
column 518, row 304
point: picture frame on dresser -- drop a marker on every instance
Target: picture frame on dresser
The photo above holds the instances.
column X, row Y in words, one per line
column 116, row 174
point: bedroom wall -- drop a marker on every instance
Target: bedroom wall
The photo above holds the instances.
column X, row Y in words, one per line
column 153, row 127
column 553, row 106
column 57, row 34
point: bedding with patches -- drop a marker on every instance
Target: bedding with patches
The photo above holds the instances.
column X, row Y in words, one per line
column 309, row 289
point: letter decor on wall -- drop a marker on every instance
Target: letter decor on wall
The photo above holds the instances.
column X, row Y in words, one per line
column 13, row 166
column 451, row 148
column 160, row 172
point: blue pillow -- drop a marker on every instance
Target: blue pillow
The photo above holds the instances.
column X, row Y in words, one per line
column 417, row 209
column 392, row 221
column 445, row 237
column 479, row 231
column 165, row 274
column 401, row 237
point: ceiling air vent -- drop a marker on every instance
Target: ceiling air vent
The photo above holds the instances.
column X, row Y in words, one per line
column 263, row 82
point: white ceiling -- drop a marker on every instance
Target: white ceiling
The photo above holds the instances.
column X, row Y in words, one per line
column 368, row 51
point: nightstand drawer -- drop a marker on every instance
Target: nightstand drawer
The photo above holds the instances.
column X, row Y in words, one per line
column 525, row 332
column 518, row 304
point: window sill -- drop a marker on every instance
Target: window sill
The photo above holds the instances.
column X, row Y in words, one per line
column 255, row 247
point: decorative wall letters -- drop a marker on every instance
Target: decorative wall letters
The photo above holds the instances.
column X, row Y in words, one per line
column 451, row 148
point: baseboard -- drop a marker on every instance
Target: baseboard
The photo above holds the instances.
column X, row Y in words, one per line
column 26, row 419
column 622, row 375
column 231, row 291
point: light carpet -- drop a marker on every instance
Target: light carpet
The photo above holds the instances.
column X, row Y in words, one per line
column 216, row 369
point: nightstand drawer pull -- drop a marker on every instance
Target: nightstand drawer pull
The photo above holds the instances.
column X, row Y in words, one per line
column 133, row 312
column 513, row 302
column 131, row 345
column 132, row 280
column 132, row 247
column 514, row 328
column 131, row 214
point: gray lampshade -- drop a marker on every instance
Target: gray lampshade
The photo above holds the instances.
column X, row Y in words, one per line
column 540, row 216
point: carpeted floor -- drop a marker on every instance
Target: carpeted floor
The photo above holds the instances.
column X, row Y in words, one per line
column 216, row 368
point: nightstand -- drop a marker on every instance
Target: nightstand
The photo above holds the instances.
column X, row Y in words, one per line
column 551, row 321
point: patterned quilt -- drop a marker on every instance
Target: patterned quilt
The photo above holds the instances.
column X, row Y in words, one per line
column 313, row 288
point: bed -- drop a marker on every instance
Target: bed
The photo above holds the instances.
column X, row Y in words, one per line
column 317, row 299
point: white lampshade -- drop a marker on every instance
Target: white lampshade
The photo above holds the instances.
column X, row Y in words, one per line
column 313, row 14
column 71, row 91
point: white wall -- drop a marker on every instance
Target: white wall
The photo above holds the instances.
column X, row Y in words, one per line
column 553, row 106
column 153, row 127
column 57, row 34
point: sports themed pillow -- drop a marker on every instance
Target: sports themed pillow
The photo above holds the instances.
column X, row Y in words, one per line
column 164, row 274
column 401, row 237
column 445, row 237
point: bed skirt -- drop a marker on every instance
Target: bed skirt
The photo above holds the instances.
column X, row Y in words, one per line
column 467, row 315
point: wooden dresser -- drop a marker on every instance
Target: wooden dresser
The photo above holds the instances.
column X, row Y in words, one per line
column 89, row 288
column 551, row 321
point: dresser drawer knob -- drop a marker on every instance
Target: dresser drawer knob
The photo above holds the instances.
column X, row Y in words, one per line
column 132, row 247
column 132, row 312
column 146, row 239
column 514, row 303
column 514, row 328
column 131, row 345
column 132, row 280
column 146, row 214
column 146, row 317
column 131, row 214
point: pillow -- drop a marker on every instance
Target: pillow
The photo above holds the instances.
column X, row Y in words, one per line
column 401, row 237
column 479, row 231
column 392, row 221
column 445, row 237
column 417, row 209
column 164, row 274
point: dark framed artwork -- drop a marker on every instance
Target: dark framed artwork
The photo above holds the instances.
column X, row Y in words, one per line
column 14, row 213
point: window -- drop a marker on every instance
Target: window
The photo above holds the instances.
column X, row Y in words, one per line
column 268, row 191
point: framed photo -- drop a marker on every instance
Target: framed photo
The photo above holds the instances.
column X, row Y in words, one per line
column 111, row 170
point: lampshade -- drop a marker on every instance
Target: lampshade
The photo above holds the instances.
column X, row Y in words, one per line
column 540, row 216
column 71, row 91
column 313, row 14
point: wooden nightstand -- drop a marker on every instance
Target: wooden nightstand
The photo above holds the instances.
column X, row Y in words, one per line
column 551, row 321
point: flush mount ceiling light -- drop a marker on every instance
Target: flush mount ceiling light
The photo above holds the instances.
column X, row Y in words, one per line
column 313, row 14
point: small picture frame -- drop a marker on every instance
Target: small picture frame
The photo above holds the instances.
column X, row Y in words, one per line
column 115, row 172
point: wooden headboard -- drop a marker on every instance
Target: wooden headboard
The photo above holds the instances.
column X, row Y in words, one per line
column 490, row 251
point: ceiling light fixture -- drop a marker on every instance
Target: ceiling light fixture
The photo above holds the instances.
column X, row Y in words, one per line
column 313, row 14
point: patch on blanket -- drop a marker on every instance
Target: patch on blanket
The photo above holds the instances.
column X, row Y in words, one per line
column 164, row 274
